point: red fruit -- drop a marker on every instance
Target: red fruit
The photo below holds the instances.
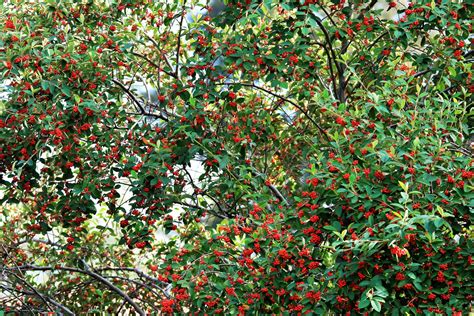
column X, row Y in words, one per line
column 340, row 121
column 9, row 24
column 140, row 244
column 153, row 267
column 230, row 291
column 137, row 166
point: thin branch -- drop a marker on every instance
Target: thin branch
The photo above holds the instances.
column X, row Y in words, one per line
column 328, row 41
column 216, row 203
column 421, row 73
column 178, row 48
column 281, row 98
column 200, row 208
column 327, row 14
column 155, row 65
column 86, row 272
column 137, row 102
column 115, row 289
column 45, row 298
column 18, row 298
column 135, row 270
column 41, row 296
column 272, row 188
column 367, row 9
column 277, row 193
column 66, row 310
column 331, row 70
column 149, row 287
column 162, row 55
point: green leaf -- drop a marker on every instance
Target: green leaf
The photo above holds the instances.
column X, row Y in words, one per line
column 376, row 305
column 364, row 302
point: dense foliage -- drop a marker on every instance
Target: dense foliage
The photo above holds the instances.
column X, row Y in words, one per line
column 302, row 157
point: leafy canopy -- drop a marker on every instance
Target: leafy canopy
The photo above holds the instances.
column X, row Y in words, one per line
column 304, row 157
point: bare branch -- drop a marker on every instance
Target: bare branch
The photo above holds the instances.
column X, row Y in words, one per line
column 41, row 296
column 88, row 272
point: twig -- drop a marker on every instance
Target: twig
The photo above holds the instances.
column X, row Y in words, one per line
column 137, row 102
column 331, row 50
column 178, row 48
column 281, row 98
column 88, row 272
column 154, row 64
column 41, row 296
column 161, row 53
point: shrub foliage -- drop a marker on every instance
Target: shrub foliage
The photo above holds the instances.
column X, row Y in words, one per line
column 303, row 157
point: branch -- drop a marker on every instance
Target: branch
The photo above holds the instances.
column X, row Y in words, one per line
column 277, row 193
column 66, row 310
column 331, row 71
column 328, row 41
column 161, row 52
column 368, row 49
column 179, row 39
column 86, row 272
column 149, row 287
column 201, row 208
column 460, row 149
column 155, row 65
column 327, row 14
column 13, row 292
column 137, row 102
column 115, row 289
column 43, row 297
column 367, row 9
column 135, row 270
column 281, row 98
column 272, row 188
column 421, row 73
column 216, row 203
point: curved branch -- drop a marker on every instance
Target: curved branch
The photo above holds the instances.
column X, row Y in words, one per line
column 281, row 98
column 88, row 272
column 331, row 49
column 154, row 64
column 137, row 102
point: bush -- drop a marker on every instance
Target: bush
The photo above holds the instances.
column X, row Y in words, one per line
column 246, row 157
